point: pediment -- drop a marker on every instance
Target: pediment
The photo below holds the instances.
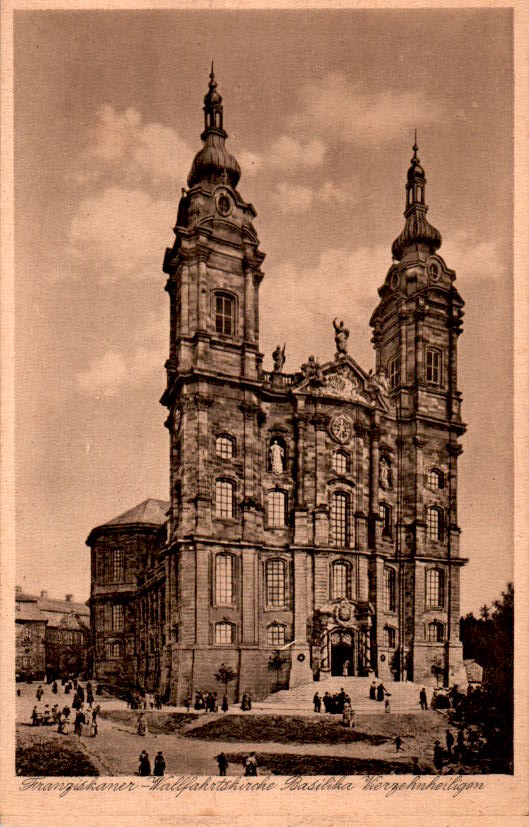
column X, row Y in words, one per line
column 342, row 379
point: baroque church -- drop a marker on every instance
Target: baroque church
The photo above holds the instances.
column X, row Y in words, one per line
column 314, row 512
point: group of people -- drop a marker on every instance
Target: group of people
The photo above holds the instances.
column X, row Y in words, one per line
column 137, row 700
column 333, row 704
column 208, row 701
column 379, row 693
column 145, row 764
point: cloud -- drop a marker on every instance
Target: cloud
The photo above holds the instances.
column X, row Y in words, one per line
column 121, row 232
column 335, row 106
column 144, row 358
column 475, row 259
column 141, row 152
column 302, row 300
column 285, row 153
column 298, row 198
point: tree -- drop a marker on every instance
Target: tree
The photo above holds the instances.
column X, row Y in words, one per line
column 489, row 640
column 276, row 663
column 225, row 675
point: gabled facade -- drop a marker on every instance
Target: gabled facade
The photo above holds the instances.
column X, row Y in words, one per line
column 312, row 512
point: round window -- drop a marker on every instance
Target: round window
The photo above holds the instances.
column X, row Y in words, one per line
column 224, row 205
column 434, row 270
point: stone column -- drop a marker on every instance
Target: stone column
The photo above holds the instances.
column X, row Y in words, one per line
column 203, row 315
column 249, row 302
column 361, row 506
column 420, row 313
column 373, row 483
column 184, row 299
column 301, row 531
column 300, row 672
column 321, row 509
column 403, row 360
column 203, row 511
column 249, row 500
column 249, row 592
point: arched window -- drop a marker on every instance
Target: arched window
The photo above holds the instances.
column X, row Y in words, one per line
column 435, row 632
column 435, row 479
column 390, row 637
column 341, row 580
column 224, row 579
column 224, row 446
column 340, row 462
column 224, row 314
column 276, row 635
column 390, row 601
column 434, row 523
column 340, row 519
column 224, row 499
column 277, row 508
column 275, row 583
column 385, row 515
column 435, row 591
column 224, row 633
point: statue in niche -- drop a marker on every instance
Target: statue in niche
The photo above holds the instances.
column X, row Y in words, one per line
column 277, row 457
column 312, row 370
column 385, row 473
column 279, row 358
column 340, row 337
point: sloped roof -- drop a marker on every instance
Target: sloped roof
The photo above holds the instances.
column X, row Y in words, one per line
column 50, row 606
column 28, row 610
column 149, row 511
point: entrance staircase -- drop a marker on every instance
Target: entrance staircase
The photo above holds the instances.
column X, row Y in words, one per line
column 404, row 698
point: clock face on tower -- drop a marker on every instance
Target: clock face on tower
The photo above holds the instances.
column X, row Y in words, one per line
column 341, row 428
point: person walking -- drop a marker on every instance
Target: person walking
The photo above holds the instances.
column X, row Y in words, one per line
column 222, row 762
column 387, row 705
column 317, row 702
column 159, row 764
column 224, row 706
column 423, row 698
column 449, row 743
column 415, row 768
column 145, row 764
column 141, row 725
column 438, row 757
column 79, row 721
column 398, row 743
column 89, row 695
column 373, row 691
column 54, row 687
column 327, row 700
column 380, row 692
column 34, row 716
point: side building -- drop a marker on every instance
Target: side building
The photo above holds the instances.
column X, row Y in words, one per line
column 52, row 636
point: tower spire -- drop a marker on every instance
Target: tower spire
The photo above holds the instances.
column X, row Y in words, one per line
column 213, row 161
column 417, row 229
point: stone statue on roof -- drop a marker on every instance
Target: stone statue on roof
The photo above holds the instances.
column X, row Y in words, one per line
column 279, row 358
column 340, row 337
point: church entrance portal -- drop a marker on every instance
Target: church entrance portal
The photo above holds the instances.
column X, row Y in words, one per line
column 342, row 653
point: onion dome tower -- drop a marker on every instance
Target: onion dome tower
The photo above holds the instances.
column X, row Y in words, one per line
column 417, row 230
column 214, row 164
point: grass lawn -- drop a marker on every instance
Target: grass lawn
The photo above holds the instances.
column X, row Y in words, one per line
column 44, row 754
column 292, row 764
column 282, row 729
column 158, row 723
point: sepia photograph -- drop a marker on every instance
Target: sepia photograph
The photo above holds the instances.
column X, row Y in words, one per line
column 263, row 452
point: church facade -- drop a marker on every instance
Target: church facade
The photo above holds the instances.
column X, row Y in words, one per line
column 312, row 512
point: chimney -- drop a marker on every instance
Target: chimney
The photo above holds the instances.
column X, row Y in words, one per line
column 44, row 593
column 69, row 597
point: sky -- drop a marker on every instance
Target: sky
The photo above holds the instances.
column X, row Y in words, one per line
column 320, row 107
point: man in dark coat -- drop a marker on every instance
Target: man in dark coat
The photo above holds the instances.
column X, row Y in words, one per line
column 225, row 706
column 222, row 761
column 449, row 742
column 423, row 699
column 373, row 691
column 317, row 702
column 380, row 692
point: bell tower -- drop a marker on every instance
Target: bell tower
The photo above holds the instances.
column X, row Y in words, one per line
column 214, row 264
column 416, row 328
